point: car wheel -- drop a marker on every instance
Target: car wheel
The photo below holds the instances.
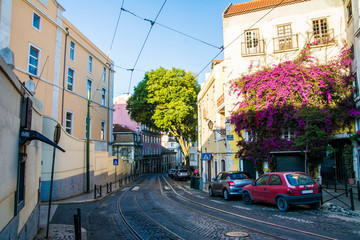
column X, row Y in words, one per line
column 315, row 205
column 226, row 195
column 282, row 204
column 247, row 198
column 211, row 193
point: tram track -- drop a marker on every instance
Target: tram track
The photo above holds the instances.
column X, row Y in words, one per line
column 152, row 224
column 238, row 216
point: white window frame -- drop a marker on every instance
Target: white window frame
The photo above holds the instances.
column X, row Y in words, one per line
column 91, row 88
column 90, row 64
column 103, row 130
column 38, row 59
column 103, row 96
column 72, row 49
column 90, row 125
column 38, row 15
column 73, row 80
column 104, row 74
column 71, row 122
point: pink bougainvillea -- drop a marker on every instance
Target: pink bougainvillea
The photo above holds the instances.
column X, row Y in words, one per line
column 279, row 100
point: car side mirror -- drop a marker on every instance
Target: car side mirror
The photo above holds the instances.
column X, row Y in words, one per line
column 254, row 183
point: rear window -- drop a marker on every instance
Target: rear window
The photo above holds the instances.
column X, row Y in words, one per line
column 240, row 176
column 183, row 171
column 299, row 179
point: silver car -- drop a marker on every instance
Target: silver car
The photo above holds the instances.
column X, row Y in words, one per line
column 229, row 184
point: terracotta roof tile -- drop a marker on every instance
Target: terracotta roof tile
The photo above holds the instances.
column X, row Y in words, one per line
column 256, row 5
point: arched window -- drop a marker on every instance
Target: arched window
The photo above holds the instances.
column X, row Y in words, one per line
column 223, row 165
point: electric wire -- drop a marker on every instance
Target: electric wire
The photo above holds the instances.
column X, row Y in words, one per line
column 137, row 59
column 117, row 23
column 277, row 5
column 172, row 29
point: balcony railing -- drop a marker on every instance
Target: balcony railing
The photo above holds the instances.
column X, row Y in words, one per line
column 284, row 43
column 319, row 38
column 252, row 48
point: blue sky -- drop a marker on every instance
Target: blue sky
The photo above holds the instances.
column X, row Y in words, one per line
column 201, row 19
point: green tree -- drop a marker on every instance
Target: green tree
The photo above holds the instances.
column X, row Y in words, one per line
column 167, row 99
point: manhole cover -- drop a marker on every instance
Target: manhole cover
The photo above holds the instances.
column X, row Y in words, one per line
column 237, row 234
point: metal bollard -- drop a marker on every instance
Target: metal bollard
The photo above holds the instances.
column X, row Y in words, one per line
column 77, row 225
column 95, row 191
column 321, row 200
column 346, row 188
column 358, row 190
column 352, row 199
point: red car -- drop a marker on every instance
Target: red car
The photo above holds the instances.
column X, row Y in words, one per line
column 283, row 189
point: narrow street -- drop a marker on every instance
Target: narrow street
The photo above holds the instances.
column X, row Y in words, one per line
column 157, row 207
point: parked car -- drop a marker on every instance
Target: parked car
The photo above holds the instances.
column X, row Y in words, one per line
column 229, row 184
column 283, row 189
column 171, row 173
column 182, row 174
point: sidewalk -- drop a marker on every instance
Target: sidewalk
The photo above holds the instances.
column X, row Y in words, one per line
column 67, row 232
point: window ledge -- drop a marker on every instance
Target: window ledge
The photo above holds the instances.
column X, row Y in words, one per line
column 253, row 54
column 286, row 50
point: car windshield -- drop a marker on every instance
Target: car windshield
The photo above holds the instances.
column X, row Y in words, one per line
column 240, row 176
column 299, row 179
column 183, row 171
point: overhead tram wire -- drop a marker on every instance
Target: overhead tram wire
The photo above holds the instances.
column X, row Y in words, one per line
column 117, row 23
column 137, row 59
column 172, row 29
column 277, row 5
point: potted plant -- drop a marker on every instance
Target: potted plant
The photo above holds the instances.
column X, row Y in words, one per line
column 356, row 137
column 348, row 160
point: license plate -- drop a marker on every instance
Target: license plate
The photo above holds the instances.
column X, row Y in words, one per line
column 307, row 191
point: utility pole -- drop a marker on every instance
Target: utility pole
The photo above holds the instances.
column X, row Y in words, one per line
column 88, row 144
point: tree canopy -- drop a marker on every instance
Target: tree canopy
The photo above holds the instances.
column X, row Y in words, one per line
column 166, row 99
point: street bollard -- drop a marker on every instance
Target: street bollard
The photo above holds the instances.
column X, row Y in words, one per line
column 321, row 193
column 77, row 225
column 358, row 190
column 352, row 199
column 346, row 188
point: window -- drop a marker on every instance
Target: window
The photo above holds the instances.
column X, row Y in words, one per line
column 275, row 180
column 357, row 85
column 90, row 63
column 68, row 122
column 72, row 50
column 89, row 89
column 287, row 134
column 321, row 31
column 223, row 165
column 252, row 40
column 285, row 38
column 34, row 59
column 20, row 194
column 86, row 128
column 36, row 21
column 262, row 180
column 70, row 81
column 103, row 96
column 102, row 130
column 349, row 11
column 104, row 74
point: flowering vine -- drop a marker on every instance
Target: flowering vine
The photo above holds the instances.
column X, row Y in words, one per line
column 294, row 105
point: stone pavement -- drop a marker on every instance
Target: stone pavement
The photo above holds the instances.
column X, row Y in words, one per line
column 66, row 232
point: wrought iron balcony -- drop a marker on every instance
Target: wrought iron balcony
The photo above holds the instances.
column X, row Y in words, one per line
column 320, row 38
column 253, row 47
column 284, row 43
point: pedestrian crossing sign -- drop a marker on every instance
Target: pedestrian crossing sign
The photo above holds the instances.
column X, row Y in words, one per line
column 115, row 161
column 205, row 157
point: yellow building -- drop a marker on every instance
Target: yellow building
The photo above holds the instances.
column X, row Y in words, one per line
column 63, row 64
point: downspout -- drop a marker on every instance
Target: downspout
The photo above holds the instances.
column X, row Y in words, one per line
column 63, row 85
column 109, row 105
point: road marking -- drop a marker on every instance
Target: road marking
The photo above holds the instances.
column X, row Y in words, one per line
column 216, row 201
column 198, row 196
column 136, row 188
column 240, row 207
column 294, row 219
column 124, row 189
column 166, row 188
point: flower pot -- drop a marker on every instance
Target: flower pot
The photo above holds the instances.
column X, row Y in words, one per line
column 351, row 181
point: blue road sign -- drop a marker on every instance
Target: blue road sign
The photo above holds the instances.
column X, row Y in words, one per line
column 205, row 157
column 115, row 161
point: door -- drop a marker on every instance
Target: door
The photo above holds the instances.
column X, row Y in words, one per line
column 217, row 185
column 252, row 41
column 275, row 187
column 259, row 191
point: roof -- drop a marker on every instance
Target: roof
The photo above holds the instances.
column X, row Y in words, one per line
column 121, row 128
column 214, row 62
column 256, row 5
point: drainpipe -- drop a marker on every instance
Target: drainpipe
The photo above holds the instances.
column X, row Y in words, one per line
column 63, row 85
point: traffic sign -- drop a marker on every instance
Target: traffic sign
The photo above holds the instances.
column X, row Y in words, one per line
column 115, row 161
column 205, row 157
